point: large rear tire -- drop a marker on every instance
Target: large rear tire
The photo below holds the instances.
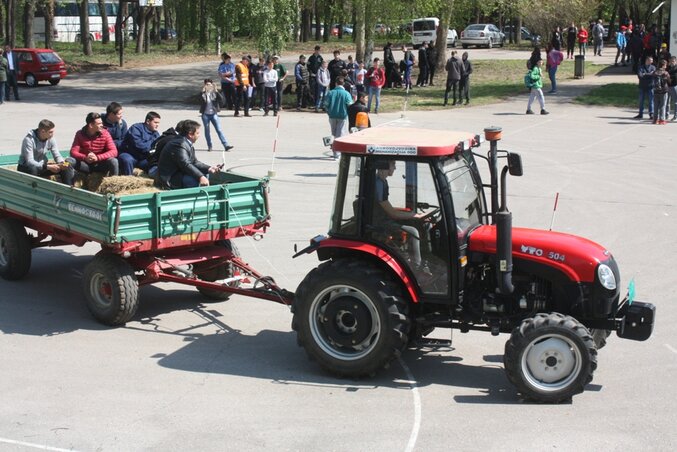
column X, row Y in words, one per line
column 220, row 272
column 111, row 289
column 550, row 357
column 15, row 250
column 351, row 317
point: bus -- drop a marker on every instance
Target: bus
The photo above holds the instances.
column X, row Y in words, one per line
column 66, row 27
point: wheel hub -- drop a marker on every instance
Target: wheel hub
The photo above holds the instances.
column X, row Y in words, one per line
column 551, row 360
column 344, row 322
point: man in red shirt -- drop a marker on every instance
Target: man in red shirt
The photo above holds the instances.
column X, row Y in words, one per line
column 93, row 149
column 375, row 79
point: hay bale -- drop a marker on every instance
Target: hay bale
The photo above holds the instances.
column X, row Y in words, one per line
column 126, row 185
column 94, row 181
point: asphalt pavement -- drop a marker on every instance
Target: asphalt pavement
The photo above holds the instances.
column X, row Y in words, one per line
column 190, row 375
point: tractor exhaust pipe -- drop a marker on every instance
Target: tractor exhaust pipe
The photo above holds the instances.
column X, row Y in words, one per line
column 502, row 218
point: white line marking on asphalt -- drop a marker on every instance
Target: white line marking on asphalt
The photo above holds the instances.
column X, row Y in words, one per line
column 671, row 348
column 35, row 446
column 417, row 406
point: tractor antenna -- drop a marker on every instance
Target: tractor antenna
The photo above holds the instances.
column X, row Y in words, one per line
column 554, row 211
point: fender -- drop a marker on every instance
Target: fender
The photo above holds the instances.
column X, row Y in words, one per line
column 324, row 245
column 574, row 256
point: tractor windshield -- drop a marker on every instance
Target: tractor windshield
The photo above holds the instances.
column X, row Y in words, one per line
column 465, row 195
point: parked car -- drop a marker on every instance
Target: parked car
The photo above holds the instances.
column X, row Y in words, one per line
column 38, row 65
column 425, row 30
column 482, row 35
column 525, row 34
column 166, row 34
column 381, row 29
column 347, row 29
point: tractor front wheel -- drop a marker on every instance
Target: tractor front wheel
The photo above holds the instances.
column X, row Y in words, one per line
column 351, row 317
column 550, row 357
column 111, row 289
column 15, row 250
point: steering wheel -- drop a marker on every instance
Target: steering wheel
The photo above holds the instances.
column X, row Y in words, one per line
column 430, row 215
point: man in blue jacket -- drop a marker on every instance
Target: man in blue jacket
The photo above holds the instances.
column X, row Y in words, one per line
column 137, row 144
column 336, row 103
column 113, row 122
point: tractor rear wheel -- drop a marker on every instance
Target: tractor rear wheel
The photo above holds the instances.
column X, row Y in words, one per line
column 550, row 357
column 15, row 250
column 222, row 271
column 111, row 289
column 351, row 317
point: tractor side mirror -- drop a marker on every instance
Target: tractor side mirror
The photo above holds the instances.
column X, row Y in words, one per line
column 515, row 164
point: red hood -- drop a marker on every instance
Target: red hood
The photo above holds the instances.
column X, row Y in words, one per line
column 574, row 256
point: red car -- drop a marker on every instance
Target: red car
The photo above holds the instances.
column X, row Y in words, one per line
column 36, row 65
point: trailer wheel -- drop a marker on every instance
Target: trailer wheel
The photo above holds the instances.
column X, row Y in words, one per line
column 600, row 337
column 550, row 357
column 351, row 317
column 15, row 250
column 111, row 289
column 219, row 273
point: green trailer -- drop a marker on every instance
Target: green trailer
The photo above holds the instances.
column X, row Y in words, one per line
column 182, row 236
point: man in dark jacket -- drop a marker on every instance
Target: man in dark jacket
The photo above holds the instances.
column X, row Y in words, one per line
column 314, row 63
column 302, row 77
column 177, row 166
column 454, row 69
column 431, row 55
column 137, row 144
column 113, row 122
column 423, row 64
column 465, row 79
column 646, row 75
column 359, row 106
column 389, row 63
column 336, row 67
column 12, row 71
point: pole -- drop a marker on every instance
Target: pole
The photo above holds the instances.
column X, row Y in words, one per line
column 554, row 210
column 271, row 173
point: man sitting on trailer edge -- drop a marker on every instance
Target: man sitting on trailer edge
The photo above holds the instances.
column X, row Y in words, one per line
column 93, row 149
column 178, row 167
column 34, row 148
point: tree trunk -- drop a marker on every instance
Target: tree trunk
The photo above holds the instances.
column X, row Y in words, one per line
column 29, row 16
column 518, row 31
column 318, row 35
column 327, row 21
column 105, row 32
column 48, row 15
column 203, row 25
column 441, row 43
column 369, row 22
column 10, row 35
column 84, row 28
column 358, row 31
column 141, row 27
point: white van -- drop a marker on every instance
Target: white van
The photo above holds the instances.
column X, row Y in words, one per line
column 425, row 30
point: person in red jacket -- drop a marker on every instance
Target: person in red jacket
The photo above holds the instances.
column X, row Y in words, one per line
column 93, row 149
column 582, row 40
column 375, row 79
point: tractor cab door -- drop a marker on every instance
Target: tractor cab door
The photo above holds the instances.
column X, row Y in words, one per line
column 403, row 214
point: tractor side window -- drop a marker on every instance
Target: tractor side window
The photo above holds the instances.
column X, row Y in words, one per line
column 346, row 202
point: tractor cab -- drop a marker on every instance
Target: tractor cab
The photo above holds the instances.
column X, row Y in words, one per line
column 415, row 195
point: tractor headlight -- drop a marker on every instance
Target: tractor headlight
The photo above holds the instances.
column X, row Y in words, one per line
column 606, row 277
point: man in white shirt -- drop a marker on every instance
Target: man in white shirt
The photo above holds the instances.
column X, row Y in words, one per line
column 12, row 68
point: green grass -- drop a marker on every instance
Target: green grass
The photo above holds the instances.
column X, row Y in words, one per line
column 492, row 81
column 613, row 94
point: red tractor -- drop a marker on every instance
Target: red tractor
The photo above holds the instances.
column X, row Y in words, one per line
column 414, row 245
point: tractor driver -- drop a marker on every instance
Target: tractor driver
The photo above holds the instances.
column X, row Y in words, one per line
column 389, row 214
